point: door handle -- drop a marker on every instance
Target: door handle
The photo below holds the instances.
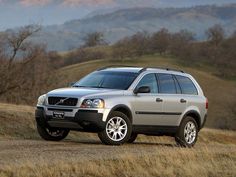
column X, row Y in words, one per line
column 159, row 100
column 183, row 100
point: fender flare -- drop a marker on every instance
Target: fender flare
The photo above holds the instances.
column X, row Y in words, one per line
column 123, row 107
column 198, row 117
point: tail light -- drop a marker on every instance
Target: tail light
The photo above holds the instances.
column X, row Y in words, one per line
column 206, row 103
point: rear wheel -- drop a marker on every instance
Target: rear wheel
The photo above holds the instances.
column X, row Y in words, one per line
column 132, row 137
column 118, row 129
column 52, row 134
column 188, row 132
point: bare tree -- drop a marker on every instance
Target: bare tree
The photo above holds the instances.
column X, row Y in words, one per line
column 17, row 40
column 215, row 34
column 133, row 46
column 180, row 43
column 20, row 63
column 160, row 41
column 121, row 49
column 139, row 44
column 94, row 39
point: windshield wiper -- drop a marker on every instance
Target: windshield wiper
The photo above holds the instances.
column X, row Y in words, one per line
column 98, row 87
column 79, row 86
column 90, row 86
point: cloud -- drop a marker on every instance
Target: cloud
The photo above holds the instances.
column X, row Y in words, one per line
column 34, row 2
column 87, row 2
column 59, row 2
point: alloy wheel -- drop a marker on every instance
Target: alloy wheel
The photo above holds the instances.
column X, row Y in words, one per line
column 116, row 128
column 190, row 132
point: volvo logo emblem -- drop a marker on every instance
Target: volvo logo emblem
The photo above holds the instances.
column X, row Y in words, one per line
column 61, row 101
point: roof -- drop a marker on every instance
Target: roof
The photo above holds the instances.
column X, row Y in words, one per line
column 135, row 69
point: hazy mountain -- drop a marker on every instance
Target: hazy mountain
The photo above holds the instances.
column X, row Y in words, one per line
column 15, row 13
column 125, row 22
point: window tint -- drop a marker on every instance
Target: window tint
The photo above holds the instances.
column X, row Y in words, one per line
column 186, row 85
column 150, row 81
column 106, row 79
column 178, row 90
column 166, row 83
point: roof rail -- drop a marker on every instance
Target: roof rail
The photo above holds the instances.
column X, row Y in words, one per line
column 110, row 66
column 171, row 69
column 168, row 69
column 142, row 70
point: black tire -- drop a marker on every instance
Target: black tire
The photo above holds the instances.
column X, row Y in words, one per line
column 104, row 136
column 181, row 137
column 132, row 137
column 47, row 133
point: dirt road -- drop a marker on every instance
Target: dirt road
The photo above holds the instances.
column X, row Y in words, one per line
column 17, row 151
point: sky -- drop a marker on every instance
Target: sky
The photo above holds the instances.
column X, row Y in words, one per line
column 14, row 13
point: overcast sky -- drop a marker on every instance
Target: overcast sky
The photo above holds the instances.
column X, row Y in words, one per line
column 15, row 13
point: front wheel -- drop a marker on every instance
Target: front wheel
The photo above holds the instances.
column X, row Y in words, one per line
column 117, row 131
column 52, row 134
column 188, row 132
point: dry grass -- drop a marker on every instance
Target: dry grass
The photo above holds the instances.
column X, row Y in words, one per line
column 17, row 121
column 174, row 162
column 11, row 108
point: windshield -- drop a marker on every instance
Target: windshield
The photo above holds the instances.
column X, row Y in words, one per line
column 109, row 80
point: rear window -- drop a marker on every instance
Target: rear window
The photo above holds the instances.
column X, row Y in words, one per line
column 186, row 85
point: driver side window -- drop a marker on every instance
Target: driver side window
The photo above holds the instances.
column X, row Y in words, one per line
column 150, row 81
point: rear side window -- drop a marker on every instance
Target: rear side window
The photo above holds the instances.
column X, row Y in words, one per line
column 178, row 90
column 166, row 83
column 150, row 81
column 187, row 86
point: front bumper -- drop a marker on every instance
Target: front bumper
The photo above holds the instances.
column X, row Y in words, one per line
column 82, row 120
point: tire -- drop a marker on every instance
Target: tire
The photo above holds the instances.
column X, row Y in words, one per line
column 188, row 132
column 132, row 137
column 117, row 130
column 51, row 134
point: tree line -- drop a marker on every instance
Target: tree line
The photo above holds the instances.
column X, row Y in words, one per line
column 217, row 50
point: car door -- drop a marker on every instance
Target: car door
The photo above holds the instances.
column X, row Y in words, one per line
column 174, row 103
column 147, row 106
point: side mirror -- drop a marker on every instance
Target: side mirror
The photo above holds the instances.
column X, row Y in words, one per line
column 71, row 84
column 143, row 89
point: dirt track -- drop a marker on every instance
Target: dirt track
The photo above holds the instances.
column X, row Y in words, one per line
column 33, row 151
column 17, row 151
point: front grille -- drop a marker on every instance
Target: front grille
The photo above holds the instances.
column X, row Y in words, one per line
column 58, row 101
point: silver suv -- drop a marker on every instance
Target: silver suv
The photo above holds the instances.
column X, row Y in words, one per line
column 119, row 103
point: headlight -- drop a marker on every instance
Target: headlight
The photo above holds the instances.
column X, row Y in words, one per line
column 41, row 99
column 93, row 103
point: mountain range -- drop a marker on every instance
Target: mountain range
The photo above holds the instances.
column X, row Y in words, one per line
column 119, row 23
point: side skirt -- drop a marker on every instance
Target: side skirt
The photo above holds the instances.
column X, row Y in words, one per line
column 155, row 130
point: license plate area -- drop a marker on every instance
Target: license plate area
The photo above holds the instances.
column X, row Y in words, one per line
column 58, row 115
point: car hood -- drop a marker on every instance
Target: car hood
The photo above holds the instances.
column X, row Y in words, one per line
column 78, row 92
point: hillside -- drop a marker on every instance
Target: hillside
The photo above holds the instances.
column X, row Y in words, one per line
column 24, row 154
column 222, row 105
column 125, row 22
